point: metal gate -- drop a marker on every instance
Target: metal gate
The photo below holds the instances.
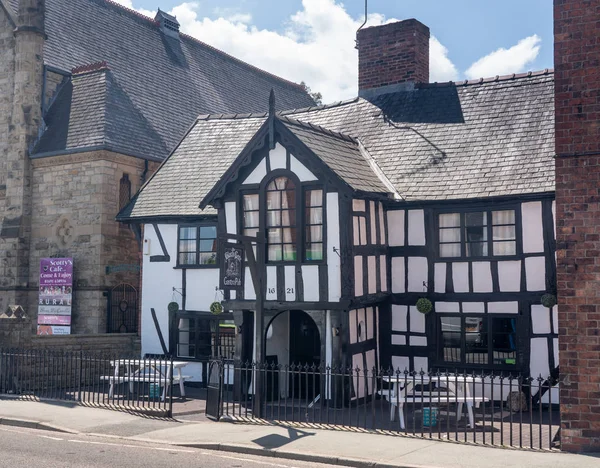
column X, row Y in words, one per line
column 214, row 390
column 123, row 309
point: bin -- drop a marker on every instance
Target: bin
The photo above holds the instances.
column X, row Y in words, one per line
column 430, row 417
column 154, row 391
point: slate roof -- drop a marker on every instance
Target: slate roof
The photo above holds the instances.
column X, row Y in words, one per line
column 341, row 153
column 484, row 138
column 162, row 82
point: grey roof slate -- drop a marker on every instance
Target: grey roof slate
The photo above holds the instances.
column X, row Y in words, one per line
column 341, row 153
column 162, row 82
column 437, row 142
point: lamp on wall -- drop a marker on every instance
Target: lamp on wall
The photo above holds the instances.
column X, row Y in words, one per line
column 335, row 331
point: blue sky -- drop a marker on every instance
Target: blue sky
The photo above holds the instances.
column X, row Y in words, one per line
column 312, row 40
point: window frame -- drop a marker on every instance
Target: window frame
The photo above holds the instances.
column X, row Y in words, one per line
column 463, row 364
column 197, row 265
column 189, row 315
column 301, row 190
column 489, row 230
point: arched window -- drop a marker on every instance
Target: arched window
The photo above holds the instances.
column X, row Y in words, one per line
column 281, row 220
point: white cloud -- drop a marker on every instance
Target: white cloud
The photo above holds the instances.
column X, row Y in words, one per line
column 441, row 67
column 506, row 61
column 316, row 45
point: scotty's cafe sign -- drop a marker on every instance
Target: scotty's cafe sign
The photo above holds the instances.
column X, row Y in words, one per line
column 56, row 293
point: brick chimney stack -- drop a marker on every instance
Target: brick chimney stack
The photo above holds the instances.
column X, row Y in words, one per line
column 392, row 54
column 577, row 127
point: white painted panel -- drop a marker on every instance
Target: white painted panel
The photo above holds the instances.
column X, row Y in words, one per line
column 355, row 230
column 440, row 277
column 271, row 283
column 473, row 307
column 358, row 276
column 231, row 217
column 333, row 240
column 398, row 275
column 395, row 228
column 158, row 281
column 421, row 363
column 416, row 227
column 532, row 227
column 370, row 313
column 277, row 157
column 448, row 307
column 249, row 292
column 328, row 351
column 509, row 276
column 310, row 278
column 482, row 277
column 554, row 216
column 362, row 325
column 417, row 273
column 400, row 363
column 399, row 340
column 535, row 273
column 258, row 174
column 383, row 272
column 418, row 341
column 278, row 345
column 555, row 346
column 200, row 288
column 352, row 324
column 539, row 358
column 417, row 320
column 372, row 272
column 289, row 273
column 358, row 380
column 399, row 314
column 381, row 224
column 460, row 277
column 301, row 171
column 373, row 222
column 555, row 319
column 358, row 205
column 507, row 307
column 540, row 319
column 362, row 223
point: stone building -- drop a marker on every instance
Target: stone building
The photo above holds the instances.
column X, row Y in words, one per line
column 93, row 97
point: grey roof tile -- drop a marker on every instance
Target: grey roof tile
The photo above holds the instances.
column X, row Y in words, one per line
column 164, row 82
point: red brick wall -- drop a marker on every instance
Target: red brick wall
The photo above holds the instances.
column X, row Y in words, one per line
column 393, row 53
column 577, row 101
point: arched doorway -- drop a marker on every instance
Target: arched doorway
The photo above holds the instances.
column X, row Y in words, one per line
column 293, row 339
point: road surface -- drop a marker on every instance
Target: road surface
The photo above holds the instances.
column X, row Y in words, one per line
column 35, row 448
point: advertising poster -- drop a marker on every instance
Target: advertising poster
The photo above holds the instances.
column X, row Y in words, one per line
column 56, row 292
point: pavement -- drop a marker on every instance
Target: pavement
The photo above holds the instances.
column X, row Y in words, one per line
column 332, row 447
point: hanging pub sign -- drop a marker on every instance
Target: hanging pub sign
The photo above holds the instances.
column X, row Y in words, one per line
column 56, row 293
column 232, row 267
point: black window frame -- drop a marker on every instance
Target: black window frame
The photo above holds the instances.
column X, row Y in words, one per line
column 198, row 265
column 209, row 318
column 467, row 366
column 301, row 212
column 489, row 226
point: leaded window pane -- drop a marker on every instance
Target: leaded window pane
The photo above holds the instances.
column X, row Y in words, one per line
column 449, row 220
column 449, row 250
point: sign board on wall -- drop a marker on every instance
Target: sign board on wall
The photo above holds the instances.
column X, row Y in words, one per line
column 56, row 293
column 232, row 267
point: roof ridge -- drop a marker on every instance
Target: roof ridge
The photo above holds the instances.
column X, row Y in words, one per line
column 187, row 36
column 319, row 128
column 494, row 79
column 132, row 11
column 90, row 67
column 254, row 115
column 321, row 107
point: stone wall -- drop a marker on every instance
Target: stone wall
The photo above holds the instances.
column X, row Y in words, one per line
column 577, row 97
column 75, row 200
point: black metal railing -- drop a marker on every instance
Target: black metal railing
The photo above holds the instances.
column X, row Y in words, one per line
column 138, row 385
column 488, row 409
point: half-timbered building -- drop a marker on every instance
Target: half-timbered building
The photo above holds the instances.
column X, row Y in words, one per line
column 412, row 190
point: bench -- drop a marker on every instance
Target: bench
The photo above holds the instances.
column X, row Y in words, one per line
column 456, row 391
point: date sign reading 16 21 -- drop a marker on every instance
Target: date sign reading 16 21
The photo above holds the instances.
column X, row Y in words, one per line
column 232, row 268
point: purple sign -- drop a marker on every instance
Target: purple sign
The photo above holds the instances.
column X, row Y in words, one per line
column 56, row 293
